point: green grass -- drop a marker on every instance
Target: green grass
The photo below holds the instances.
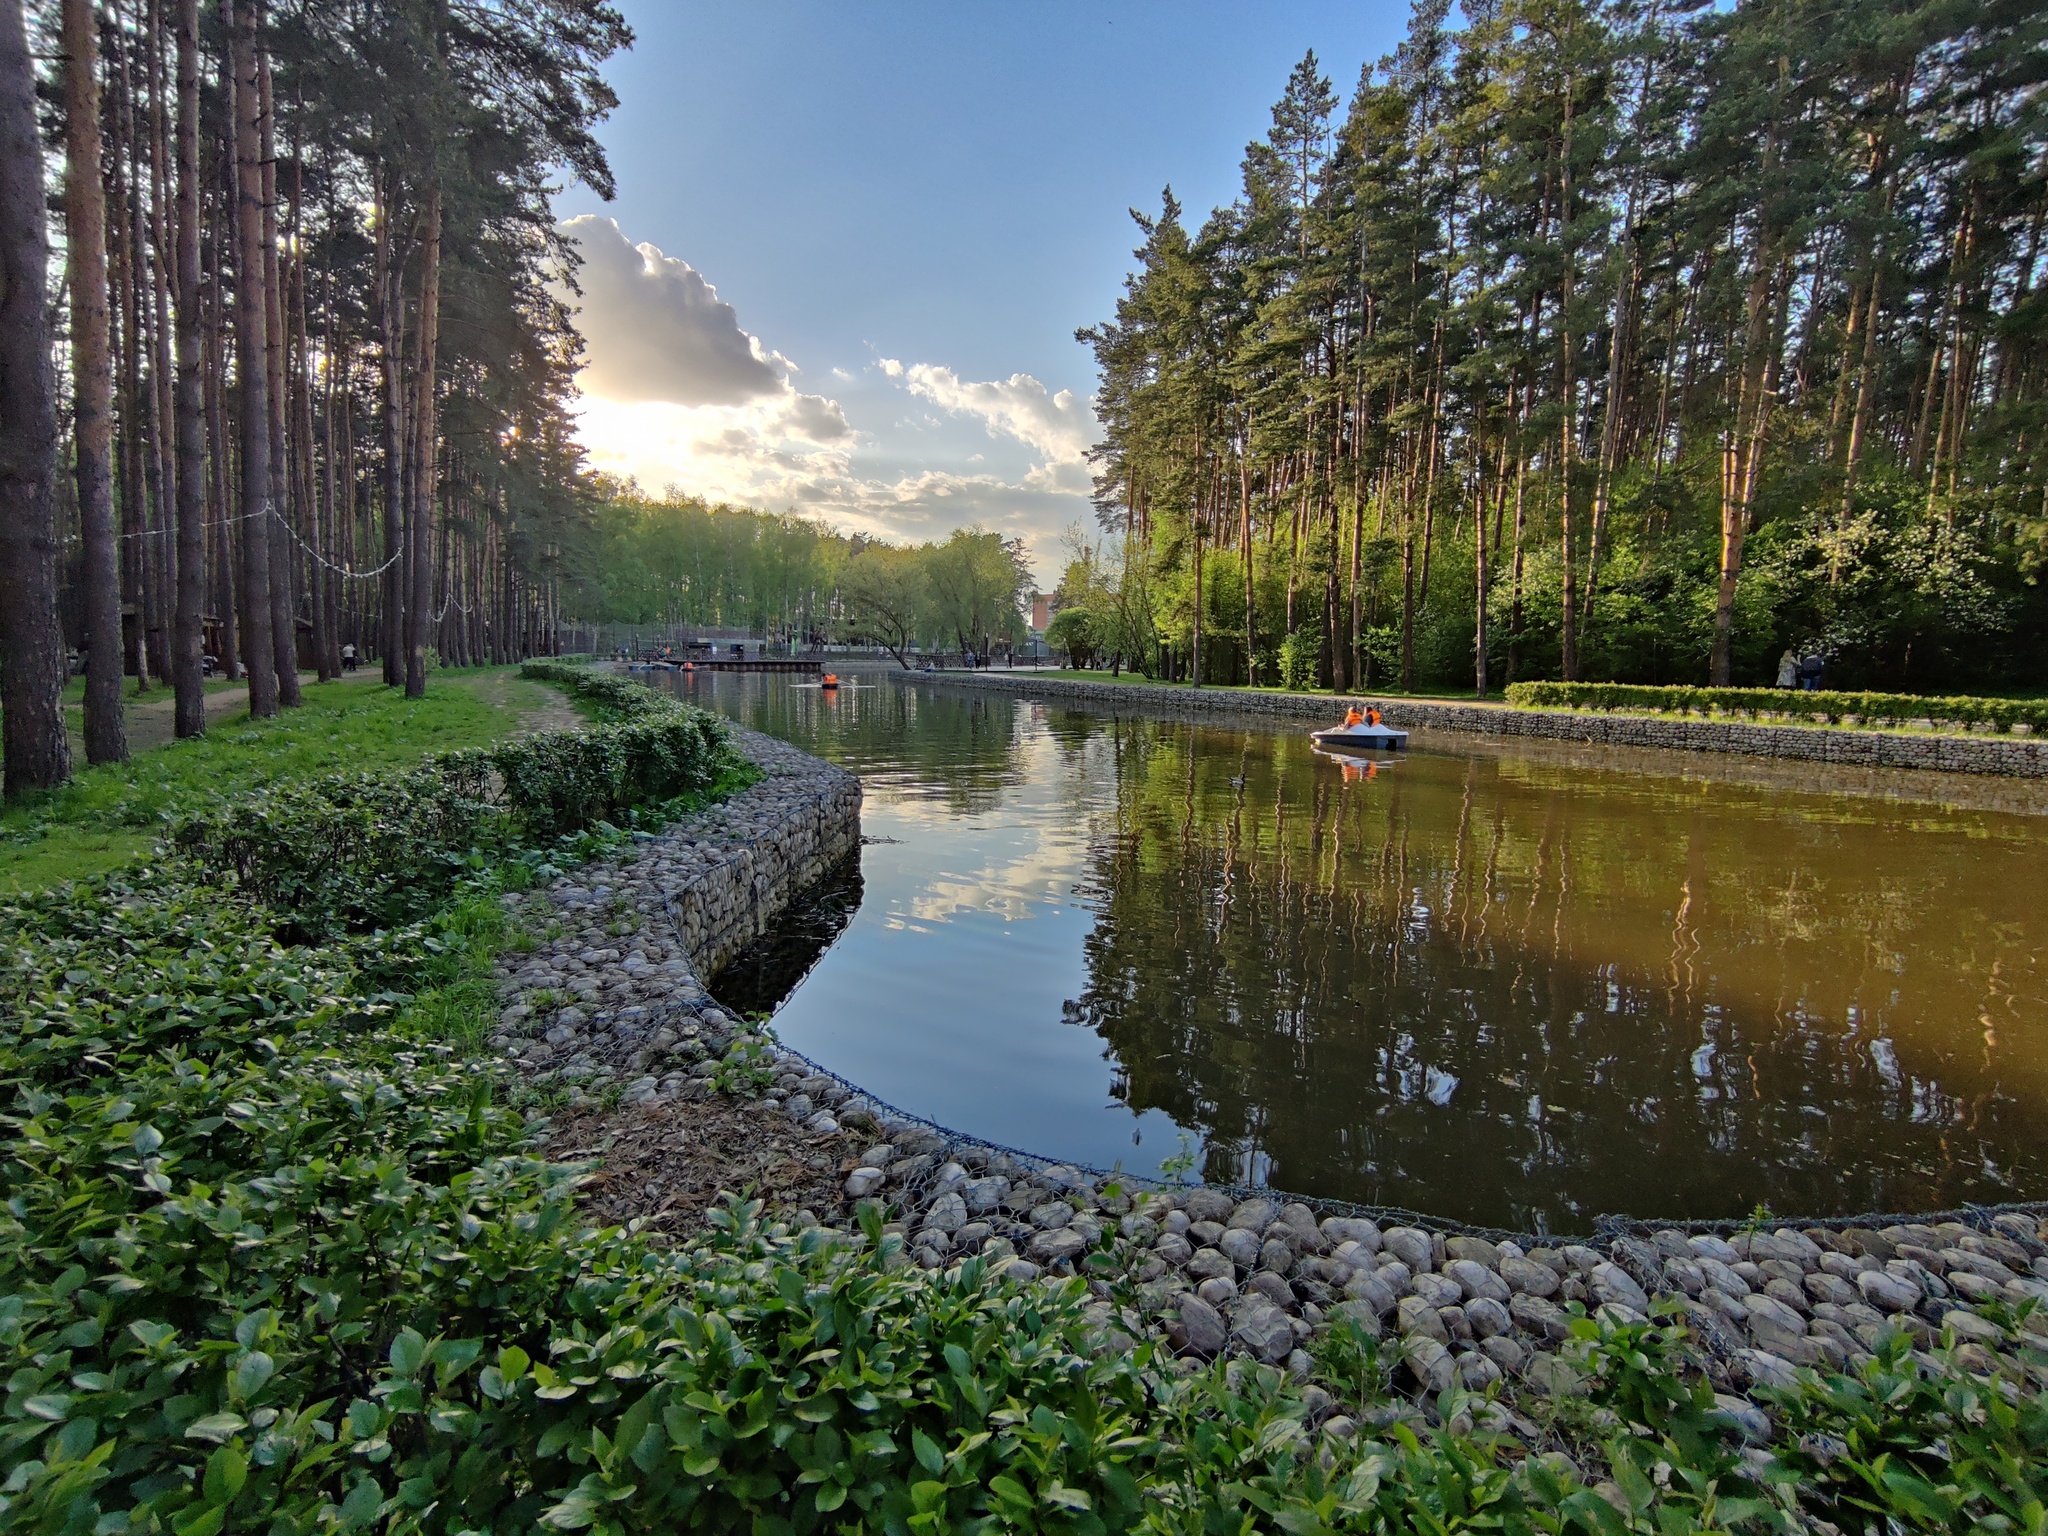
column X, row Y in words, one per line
column 108, row 815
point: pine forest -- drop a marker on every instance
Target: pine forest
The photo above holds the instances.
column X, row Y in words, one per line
column 1626, row 341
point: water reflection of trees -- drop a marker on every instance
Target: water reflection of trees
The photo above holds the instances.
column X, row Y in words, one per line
column 957, row 749
column 1455, row 988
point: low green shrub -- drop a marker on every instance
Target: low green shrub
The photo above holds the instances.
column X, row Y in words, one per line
column 1822, row 704
column 274, row 1257
column 357, row 852
column 617, row 697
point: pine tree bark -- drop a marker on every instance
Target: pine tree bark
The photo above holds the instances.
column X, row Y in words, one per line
column 419, row 521
column 188, row 642
column 284, row 605
column 92, row 373
column 36, row 753
column 252, row 355
column 394, row 585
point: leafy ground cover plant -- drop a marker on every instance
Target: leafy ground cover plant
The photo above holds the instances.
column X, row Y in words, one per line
column 1823, row 705
column 276, row 1255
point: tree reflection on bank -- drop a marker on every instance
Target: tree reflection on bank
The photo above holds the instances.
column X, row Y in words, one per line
column 1534, row 996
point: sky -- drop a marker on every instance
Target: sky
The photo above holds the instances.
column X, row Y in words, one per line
column 852, row 241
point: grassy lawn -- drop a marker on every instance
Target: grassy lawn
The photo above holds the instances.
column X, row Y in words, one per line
column 108, row 815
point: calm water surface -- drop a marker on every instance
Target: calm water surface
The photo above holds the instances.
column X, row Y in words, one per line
column 1520, row 985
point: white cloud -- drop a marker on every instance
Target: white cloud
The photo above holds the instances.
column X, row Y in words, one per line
column 676, row 393
column 656, row 330
column 1059, row 427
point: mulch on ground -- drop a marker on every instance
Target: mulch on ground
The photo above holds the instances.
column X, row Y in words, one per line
column 670, row 1162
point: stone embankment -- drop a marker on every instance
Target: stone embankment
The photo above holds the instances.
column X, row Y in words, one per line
column 1999, row 756
column 614, row 1000
column 614, row 994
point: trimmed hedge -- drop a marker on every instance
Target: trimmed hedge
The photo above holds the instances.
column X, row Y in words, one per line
column 617, row 698
column 1823, row 705
column 359, row 852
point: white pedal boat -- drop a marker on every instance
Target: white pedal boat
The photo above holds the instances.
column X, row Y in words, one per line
column 1360, row 738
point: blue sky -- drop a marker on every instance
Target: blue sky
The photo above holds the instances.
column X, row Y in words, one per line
column 904, row 210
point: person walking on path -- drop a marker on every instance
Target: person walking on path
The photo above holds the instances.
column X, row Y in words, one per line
column 1788, row 669
column 1810, row 670
column 348, row 657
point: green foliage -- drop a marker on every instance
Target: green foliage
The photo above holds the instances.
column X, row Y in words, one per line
column 1301, row 656
column 1823, row 705
column 1072, row 631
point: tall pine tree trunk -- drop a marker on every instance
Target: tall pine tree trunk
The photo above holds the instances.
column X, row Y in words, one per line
column 188, row 630
column 393, row 627
column 252, row 359
column 419, row 522
column 284, row 606
column 37, row 755
column 92, row 374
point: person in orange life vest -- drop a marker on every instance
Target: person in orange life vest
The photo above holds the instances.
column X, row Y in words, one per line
column 1352, row 717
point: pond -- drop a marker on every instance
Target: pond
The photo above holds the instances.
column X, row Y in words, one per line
column 1522, row 985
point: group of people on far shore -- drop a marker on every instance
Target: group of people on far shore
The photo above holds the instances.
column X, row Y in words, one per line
column 1801, row 672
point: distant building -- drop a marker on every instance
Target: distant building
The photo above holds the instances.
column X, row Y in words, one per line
column 1041, row 611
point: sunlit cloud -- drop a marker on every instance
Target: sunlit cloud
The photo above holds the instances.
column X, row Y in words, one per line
column 677, row 394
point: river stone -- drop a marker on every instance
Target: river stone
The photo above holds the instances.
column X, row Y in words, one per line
column 1438, row 1290
column 1175, row 1249
column 1476, row 1372
column 1684, row 1275
column 1415, row 1315
column 1023, row 1271
column 1301, row 1224
column 1505, row 1352
column 1429, row 1362
column 1207, row 1205
column 1241, row 1246
column 1209, row 1261
column 985, row 1195
column 1253, row 1215
column 1887, row 1292
column 1613, row 1284
column 1410, row 1245
column 1972, row 1287
column 948, row 1213
column 1053, row 1213
column 1767, row 1311
column 1056, row 1245
column 1723, row 1278
column 863, row 1182
column 1371, row 1290
column 1275, row 1256
column 1353, row 1229
column 1580, row 1259
column 1476, row 1249
column 1488, row 1317
column 1972, row 1329
column 1274, row 1289
column 1066, row 1178
column 1744, row 1418
column 1708, row 1246
column 1205, row 1234
column 1262, row 1329
column 1538, row 1316
column 1527, row 1277
column 1766, row 1369
column 1217, row 1290
column 1474, row 1279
